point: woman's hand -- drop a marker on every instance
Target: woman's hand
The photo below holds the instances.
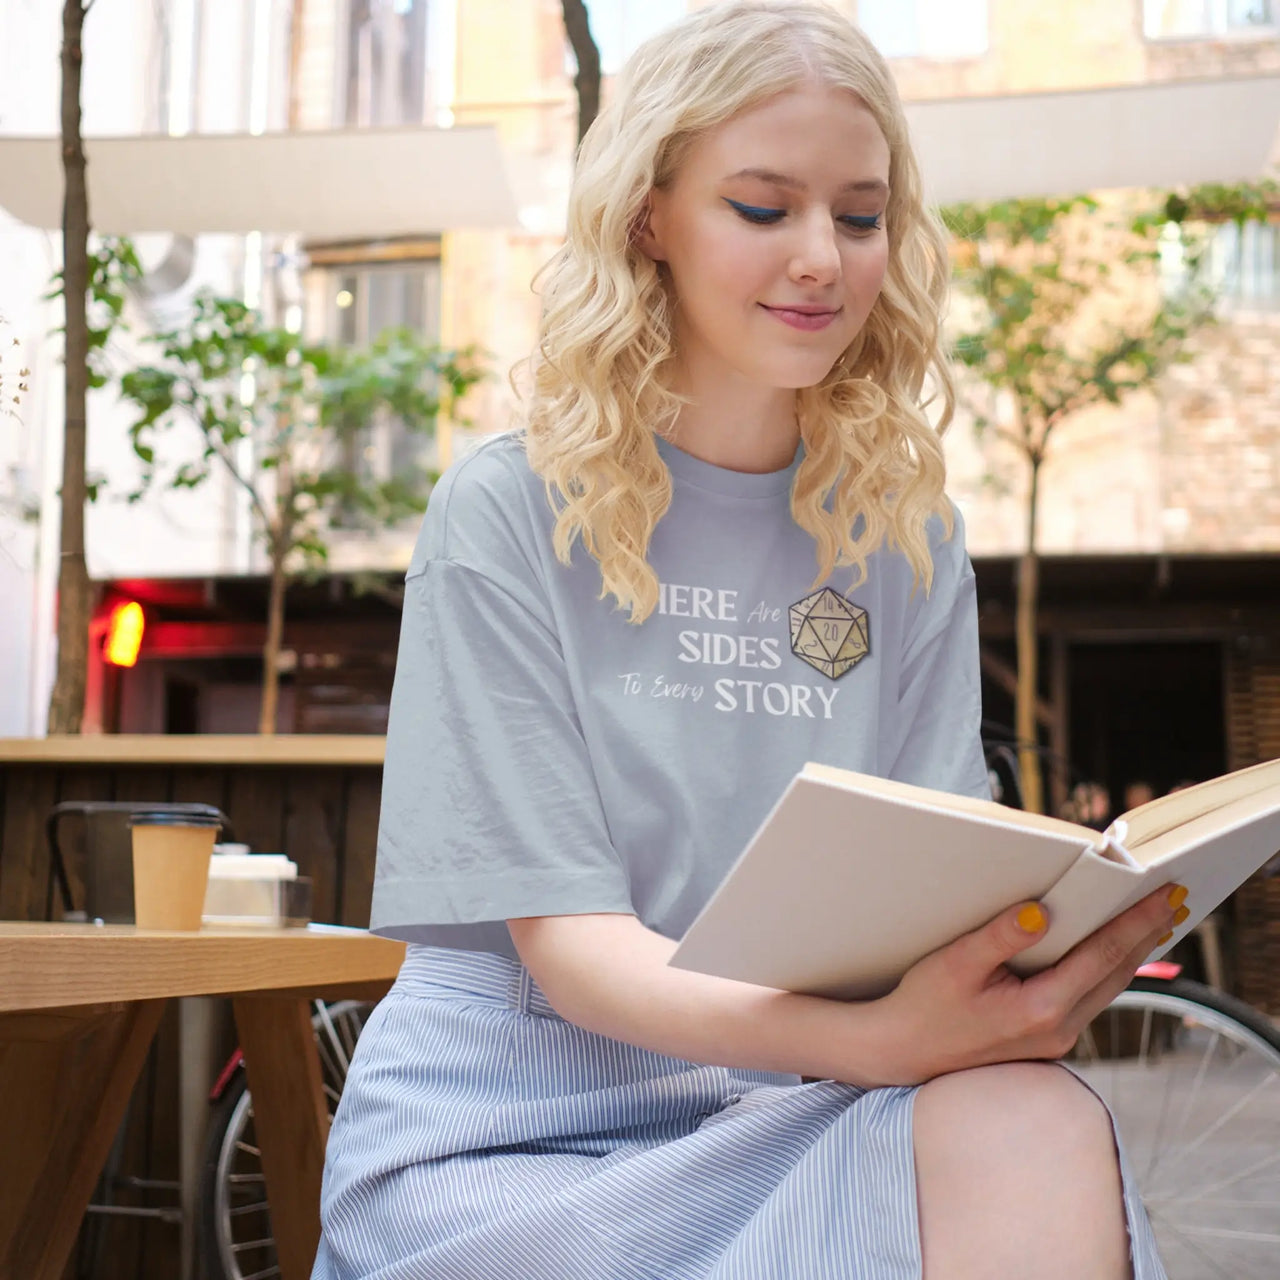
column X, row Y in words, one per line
column 961, row 1007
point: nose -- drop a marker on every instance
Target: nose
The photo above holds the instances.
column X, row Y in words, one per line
column 816, row 258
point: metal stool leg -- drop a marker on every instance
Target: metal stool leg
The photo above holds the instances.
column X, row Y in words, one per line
column 1208, row 934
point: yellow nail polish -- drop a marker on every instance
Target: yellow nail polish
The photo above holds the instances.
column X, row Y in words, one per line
column 1031, row 919
column 1163, row 940
column 1177, row 895
column 1180, row 915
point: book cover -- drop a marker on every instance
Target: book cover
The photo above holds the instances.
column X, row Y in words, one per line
column 851, row 879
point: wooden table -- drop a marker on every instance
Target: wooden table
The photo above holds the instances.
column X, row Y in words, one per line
column 79, row 1005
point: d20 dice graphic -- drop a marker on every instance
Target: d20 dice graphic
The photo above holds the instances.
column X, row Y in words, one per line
column 829, row 633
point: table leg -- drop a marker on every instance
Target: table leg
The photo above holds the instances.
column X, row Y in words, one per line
column 65, row 1081
column 290, row 1120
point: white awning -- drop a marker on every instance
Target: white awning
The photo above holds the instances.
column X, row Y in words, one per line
column 1044, row 144
column 372, row 183
column 347, row 184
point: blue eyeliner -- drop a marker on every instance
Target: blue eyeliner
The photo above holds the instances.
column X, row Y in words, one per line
column 753, row 213
column 767, row 217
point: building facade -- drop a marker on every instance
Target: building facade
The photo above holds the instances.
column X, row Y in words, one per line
column 1192, row 469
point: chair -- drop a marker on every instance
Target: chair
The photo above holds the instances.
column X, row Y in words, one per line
column 108, row 860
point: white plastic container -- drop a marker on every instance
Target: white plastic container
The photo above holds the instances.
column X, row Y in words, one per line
column 262, row 889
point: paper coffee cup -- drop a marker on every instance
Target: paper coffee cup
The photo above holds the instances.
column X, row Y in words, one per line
column 171, row 853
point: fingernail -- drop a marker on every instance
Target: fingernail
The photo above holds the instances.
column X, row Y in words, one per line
column 1180, row 915
column 1163, row 940
column 1031, row 919
column 1177, row 895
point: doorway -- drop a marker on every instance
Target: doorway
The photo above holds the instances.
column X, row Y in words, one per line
column 1147, row 712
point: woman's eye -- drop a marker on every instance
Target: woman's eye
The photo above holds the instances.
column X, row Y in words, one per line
column 860, row 223
column 754, row 213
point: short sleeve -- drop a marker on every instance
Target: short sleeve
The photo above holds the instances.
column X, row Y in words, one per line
column 489, row 806
column 938, row 721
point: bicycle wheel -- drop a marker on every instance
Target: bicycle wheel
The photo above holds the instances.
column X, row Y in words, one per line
column 236, row 1239
column 1193, row 1078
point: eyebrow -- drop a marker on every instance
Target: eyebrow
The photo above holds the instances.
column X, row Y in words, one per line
column 872, row 185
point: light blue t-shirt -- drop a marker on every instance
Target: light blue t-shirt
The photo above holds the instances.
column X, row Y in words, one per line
column 547, row 757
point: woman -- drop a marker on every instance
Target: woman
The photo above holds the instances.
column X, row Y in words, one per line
column 602, row 688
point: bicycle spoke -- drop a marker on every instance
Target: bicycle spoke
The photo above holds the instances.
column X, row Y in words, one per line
column 1224, row 1119
column 248, row 1149
column 267, row 1243
column 258, row 1206
column 1223, row 1183
column 1191, row 1246
column 241, row 1178
column 1165, row 1099
column 1227, row 1233
column 343, row 1063
column 1201, row 1071
column 263, row 1275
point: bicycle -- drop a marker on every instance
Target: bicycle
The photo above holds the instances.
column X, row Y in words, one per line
column 1192, row 1076
column 234, row 1231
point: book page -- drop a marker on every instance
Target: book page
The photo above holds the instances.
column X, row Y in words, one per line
column 1219, row 826
column 1157, row 817
column 911, row 794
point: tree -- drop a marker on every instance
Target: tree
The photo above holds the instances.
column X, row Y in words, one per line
column 66, row 705
column 1066, row 311
column 577, row 26
column 305, row 412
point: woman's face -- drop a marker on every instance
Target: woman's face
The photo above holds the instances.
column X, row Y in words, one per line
column 773, row 232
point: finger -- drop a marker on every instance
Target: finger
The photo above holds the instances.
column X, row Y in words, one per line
column 1105, row 951
column 1095, row 1001
column 1106, row 959
column 985, row 950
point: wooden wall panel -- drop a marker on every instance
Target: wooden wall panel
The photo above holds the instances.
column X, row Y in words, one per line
column 360, row 839
column 313, row 824
column 29, row 793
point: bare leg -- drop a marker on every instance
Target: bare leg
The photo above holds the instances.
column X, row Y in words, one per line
column 1017, row 1175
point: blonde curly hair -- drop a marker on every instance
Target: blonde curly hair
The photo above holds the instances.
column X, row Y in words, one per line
column 601, row 368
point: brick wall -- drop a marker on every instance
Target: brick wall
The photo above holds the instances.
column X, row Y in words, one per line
column 1220, row 441
column 1194, row 467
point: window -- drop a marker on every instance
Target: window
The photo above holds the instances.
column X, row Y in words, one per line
column 382, row 71
column 1199, row 19
column 925, row 28
column 361, row 298
column 1246, row 262
column 1243, row 265
column 620, row 26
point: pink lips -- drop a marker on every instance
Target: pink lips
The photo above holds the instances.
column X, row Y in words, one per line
column 809, row 319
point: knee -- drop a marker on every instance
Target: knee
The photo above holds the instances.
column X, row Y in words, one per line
column 1013, row 1112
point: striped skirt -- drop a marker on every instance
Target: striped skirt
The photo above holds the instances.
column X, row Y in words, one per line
column 480, row 1137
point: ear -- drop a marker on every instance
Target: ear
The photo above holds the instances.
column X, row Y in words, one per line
column 645, row 235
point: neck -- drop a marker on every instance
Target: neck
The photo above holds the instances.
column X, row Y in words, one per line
column 733, row 423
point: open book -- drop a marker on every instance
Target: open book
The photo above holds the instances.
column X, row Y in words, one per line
column 852, row 879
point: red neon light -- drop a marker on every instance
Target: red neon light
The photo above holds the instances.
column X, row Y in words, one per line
column 124, row 634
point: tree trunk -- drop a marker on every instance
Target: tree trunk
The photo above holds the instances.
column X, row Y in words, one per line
column 66, row 706
column 275, row 635
column 577, row 27
column 1028, row 731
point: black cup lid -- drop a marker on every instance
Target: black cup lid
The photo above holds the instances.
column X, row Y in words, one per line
column 171, row 818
